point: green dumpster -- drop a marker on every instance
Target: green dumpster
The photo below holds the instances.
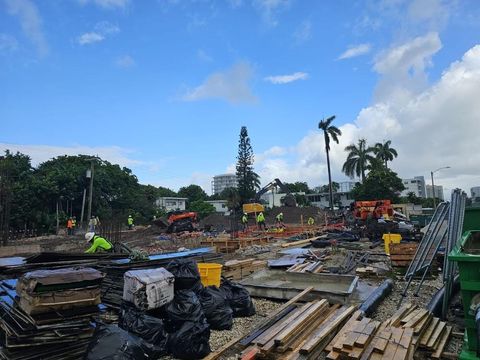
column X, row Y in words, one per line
column 467, row 254
column 471, row 220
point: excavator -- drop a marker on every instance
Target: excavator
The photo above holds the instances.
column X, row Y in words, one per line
column 255, row 206
column 178, row 221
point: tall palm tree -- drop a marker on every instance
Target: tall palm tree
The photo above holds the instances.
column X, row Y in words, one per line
column 384, row 152
column 329, row 131
column 358, row 159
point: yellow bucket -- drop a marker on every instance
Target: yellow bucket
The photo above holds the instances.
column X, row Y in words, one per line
column 390, row 239
column 210, row 273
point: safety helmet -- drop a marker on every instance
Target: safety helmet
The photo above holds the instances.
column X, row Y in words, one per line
column 89, row 236
column 129, row 215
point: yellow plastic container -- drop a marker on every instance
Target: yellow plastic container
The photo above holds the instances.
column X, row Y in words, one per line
column 390, row 239
column 210, row 273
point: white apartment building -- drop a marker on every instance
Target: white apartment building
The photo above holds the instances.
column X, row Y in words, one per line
column 171, row 203
column 221, row 182
column 438, row 191
column 415, row 185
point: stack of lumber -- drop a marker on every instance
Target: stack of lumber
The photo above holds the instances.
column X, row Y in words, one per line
column 401, row 255
column 409, row 330
column 300, row 331
column 367, row 271
column 228, row 245
column 307, row 267
column 239, row 269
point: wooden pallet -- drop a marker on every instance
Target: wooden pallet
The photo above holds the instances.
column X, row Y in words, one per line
column 239, row 269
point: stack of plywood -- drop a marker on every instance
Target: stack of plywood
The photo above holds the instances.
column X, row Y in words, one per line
column 239, row 269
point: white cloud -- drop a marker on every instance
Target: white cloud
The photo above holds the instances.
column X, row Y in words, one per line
column 8, row 43
column 31, row 23
column 435, row 127
column 285, row 79
column 107, row 4
column 403, row 67
column 303, row 32
column 41, row 153
column 125, row 61
column 90, row 38
column 100, row 32
column 231, row 85
column 269, row 9
column 354, row 51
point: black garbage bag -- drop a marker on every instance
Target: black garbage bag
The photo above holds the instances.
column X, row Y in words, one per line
column 218, row 312
column 186, row 274
column 191, row 341
column 113, row 343
column 238, row 298
column 149, row 328
column 185, row 306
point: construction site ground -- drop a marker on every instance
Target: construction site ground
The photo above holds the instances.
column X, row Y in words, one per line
column 152, row 240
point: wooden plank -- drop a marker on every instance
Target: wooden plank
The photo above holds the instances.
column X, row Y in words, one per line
column 313, row 342
column 437, row 334
column 370, row 347
column 422, row 324
column 410, row 316
column 404, row 344
column 416, row 319
column 353, row 335
column 443, row 342
column 381, row 340
column 393, row 344
column 299, row 242
column 400, row 313
column 270, row 333
column 367, row 332
column 301, row 321
column 250, row 353
column 428, row 333
column 353, row 319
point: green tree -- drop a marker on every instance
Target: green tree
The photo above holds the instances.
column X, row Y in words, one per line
column 329, row 131
column 299, row 186
column 384, row 152
column 358, row 159
column 380, row 183
column 201, row 207
column 326, row 188
column 165, row 192
column 248, row 180
column 193, row 193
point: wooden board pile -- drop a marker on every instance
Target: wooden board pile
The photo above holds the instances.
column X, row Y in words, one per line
column 409, row 330
column 401, row 255
column 301, row 333
column 367, row 271
column 307, row 267
column 239, row 269
column 228, row 245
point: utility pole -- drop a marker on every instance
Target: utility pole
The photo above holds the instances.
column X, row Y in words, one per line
column 90, row 193
column 433, row 185
column 83, row 206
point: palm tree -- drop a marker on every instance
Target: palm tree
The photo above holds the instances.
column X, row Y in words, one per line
column 333, row 132
column 384, row 152
column 358, row 159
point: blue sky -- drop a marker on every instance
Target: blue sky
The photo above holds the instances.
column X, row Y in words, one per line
column 163, row 87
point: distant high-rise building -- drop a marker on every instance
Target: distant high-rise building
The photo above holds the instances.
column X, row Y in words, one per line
column 221, row 182
column 475, row 191
column 438, row 191
column 416, row 186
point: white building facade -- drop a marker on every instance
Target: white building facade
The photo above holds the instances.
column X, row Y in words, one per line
column 475, row 192
column 222, row 182
column 171, row 203
column 415, row 185
column 438, row 191
column 220, row 206
column 323, row 200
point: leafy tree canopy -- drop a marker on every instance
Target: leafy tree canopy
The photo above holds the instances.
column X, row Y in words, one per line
column 192, row 193
column 299, row 186
column 202, row 208
column 248, row 180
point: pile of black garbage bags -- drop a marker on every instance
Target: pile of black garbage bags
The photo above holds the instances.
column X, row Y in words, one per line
column 181, row 328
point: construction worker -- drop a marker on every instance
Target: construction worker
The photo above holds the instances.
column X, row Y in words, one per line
column 261, row 221
column 74, row 225
column 245, row 222
column 130, row 222
column 69, row 226
column 99, row 243
column 311, row 221
column 279, row 220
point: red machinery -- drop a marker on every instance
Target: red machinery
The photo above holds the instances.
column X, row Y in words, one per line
column 374, row 209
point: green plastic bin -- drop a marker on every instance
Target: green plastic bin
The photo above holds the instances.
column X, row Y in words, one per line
column 471, row 221
column 467, row 255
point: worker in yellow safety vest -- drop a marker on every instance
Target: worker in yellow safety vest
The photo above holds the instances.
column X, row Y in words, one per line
column 311, row 221
column 130, row 222
column 99, row 243
column 279, row 220
column 245, row 222
column 261, row 221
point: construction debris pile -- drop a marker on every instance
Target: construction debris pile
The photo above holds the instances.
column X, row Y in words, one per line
column 48, row 313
